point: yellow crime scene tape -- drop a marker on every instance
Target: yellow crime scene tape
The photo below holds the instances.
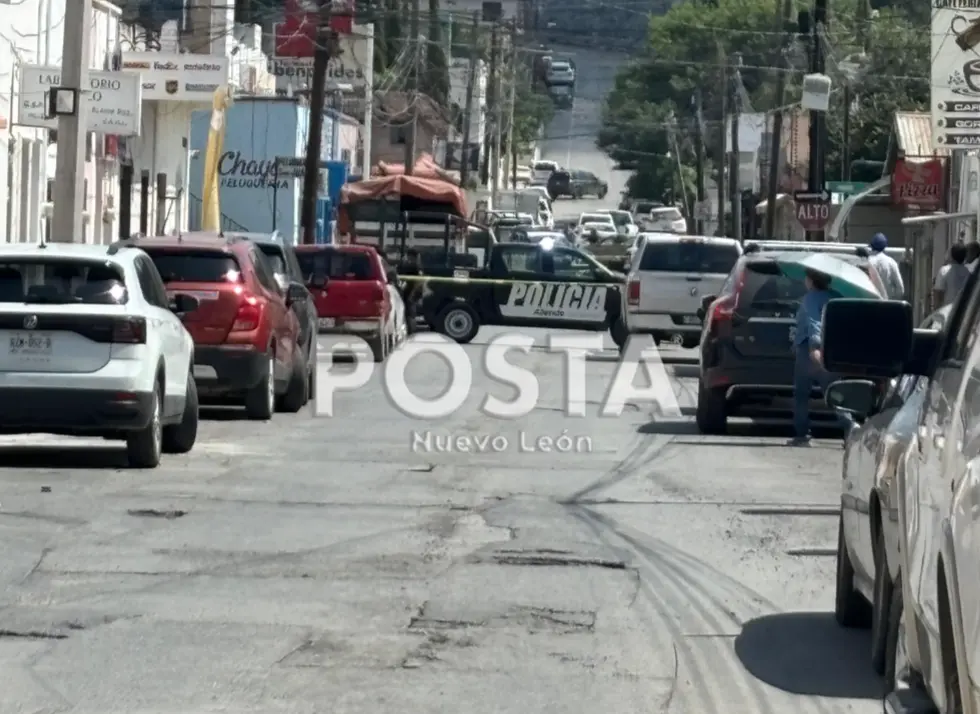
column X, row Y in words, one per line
column 465, row 278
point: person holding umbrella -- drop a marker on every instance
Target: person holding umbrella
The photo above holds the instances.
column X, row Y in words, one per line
column 807, row 344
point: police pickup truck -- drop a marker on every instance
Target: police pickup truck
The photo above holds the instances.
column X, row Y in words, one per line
column 524, row 285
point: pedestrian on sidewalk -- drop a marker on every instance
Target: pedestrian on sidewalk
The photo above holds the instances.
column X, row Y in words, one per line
column 951, row 277
column 886, row 267
column 807, row 346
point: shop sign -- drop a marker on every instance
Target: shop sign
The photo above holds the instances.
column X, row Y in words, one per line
column 918, row 184
column 172, row 77
column 112, row 100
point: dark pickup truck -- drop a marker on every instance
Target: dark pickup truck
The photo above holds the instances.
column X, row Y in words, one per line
column 523, row 285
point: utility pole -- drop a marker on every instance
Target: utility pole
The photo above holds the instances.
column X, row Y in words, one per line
column 464, row 169
column 513, row 102
column 698, row 225
column 722, row 150
column 776, row 138
column 311, row 170
column 818, row 122
column 488, row 139
column 733, row 175
column 68, row 195
column 413, row 98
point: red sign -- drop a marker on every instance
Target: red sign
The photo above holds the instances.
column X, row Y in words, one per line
column 918, row 184
column 296, row 35
column 812, row 215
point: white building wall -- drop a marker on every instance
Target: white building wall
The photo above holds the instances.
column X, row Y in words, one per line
column 164, row 142
column 32, row 32
column 459, row 71
column 348, row 138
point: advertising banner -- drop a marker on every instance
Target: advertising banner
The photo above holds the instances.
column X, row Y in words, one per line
column 177, row 77
column 955, row 75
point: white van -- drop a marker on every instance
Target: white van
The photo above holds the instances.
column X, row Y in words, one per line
column 541, row 171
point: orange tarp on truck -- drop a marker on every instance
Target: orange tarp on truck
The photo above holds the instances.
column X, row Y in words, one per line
column 424, row 189
column 425, row 167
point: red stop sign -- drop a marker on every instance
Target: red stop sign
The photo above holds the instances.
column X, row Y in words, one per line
column 813, row 215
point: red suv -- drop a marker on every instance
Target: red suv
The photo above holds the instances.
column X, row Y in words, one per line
column 245, row 336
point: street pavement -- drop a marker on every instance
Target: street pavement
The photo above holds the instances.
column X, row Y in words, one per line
column 338, row 565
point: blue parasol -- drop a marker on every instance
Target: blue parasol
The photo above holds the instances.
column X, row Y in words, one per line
column 846, row 279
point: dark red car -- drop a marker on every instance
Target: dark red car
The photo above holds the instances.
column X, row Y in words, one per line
column 246, row 338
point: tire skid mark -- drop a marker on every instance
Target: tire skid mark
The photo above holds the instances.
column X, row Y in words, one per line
column 706, row 666
column 691, row 592
column 721, row 582
column 686, row 586
column 641, row 454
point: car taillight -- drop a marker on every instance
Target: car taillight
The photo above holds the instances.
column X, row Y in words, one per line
column 248, row 315
column 131, row 331
column 724, row 307
column 633, row 292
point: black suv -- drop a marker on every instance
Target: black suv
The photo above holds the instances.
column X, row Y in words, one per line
column 284, row 262
column 576, row 184
column 746, row 345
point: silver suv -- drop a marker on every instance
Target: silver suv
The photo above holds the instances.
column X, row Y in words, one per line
column 668, row 276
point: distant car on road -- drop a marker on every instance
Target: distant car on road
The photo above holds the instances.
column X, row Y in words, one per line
column 541, row 171
column 624, row 222
column 560, row 72
column 667, row 219
column 576, row 184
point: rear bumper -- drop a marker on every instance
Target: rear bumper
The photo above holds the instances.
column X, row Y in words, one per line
column 219, row 369
column 764, row 387
column 360, row 326
column 649, row 323
column 72, row 411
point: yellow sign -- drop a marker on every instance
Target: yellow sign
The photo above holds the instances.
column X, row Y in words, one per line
column 210, row 198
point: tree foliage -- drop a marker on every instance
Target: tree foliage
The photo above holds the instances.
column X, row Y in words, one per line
column 691, row 46
column 532, row 110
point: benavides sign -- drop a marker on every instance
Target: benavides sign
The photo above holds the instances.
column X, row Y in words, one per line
column 918, row 183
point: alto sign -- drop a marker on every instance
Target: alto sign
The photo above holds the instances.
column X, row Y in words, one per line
column 112, row 100
column 812, row 209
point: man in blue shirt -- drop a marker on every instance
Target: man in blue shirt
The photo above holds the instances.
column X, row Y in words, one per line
column 806, row 348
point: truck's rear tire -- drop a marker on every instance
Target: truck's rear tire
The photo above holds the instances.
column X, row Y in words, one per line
column 459, row 322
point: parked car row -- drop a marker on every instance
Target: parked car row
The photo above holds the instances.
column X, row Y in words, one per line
column 906, row 558
column 126, row 341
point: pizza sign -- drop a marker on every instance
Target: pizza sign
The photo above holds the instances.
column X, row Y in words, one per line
column 918, row 184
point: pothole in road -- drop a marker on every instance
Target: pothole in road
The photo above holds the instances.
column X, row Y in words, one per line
column 548, row 558
column 170, row 514
column 532, row 619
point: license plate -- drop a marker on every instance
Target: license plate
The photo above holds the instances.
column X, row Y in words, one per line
column 792, row 335
column 30, row 344
column 326, row 322
column 691, row 320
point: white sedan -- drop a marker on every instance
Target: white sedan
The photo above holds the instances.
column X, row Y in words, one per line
column 601, row 230
column 623, row 220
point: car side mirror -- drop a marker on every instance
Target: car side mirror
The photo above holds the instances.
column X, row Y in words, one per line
column 868, row 338
column 295, row 293
column 181, row 304
column 319, row 281
column 854, row 396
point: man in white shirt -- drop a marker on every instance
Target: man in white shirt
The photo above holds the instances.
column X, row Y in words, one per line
column 951, row 278
column 886, row 267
